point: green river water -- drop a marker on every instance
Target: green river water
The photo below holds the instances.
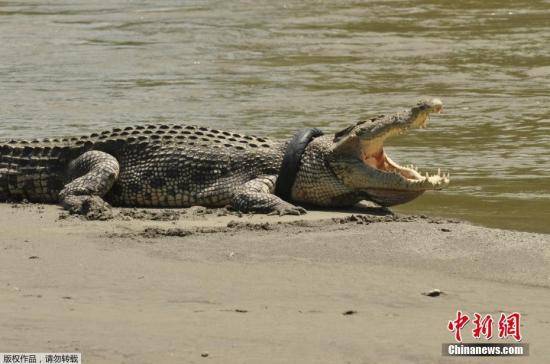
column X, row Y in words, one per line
column 272, row 67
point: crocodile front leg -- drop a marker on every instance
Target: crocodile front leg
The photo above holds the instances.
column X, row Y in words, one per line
column 92, row 175
column 257, row 196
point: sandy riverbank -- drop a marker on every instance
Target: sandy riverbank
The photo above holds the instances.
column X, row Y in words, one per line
column 162, row 286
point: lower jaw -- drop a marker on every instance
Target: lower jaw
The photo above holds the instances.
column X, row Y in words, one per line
column 395, row 167
column 388, row 197
column 381, row 161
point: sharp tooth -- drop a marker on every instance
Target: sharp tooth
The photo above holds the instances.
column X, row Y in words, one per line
column 439, row 171
column 427, row 175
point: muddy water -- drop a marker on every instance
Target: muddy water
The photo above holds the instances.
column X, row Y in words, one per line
column 266, row 67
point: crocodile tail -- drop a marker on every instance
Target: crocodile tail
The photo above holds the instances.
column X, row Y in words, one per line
column 30, row 171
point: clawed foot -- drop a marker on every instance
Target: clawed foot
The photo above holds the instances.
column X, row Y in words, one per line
column 91, row 207
column 288, row 209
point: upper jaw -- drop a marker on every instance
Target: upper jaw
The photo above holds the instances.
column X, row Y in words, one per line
column 389, row 125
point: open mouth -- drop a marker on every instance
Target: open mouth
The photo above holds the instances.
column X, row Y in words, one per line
column 374, row 156
column 382, row 162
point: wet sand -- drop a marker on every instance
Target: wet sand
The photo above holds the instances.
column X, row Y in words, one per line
column 210, row 286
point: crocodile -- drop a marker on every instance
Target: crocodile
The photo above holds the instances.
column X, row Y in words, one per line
column 175, row 165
